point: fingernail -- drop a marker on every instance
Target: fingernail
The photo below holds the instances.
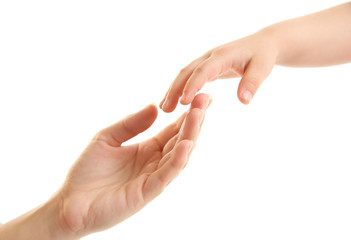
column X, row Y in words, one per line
column 247, row 96
column 202, row 118
column 190, row 146
column 209, row 101
column 209, row 104
column 161, row 103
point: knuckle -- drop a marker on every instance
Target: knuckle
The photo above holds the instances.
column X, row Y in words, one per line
column 200, row 69
column 176, row 93
column 183, row 71
column 255, row 80
column 100, row 135
column 218, row 52
column 208, row 54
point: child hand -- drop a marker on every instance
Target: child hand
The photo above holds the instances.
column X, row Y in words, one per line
column 251, row 58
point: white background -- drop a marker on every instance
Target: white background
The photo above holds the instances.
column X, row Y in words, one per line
column 278, row 168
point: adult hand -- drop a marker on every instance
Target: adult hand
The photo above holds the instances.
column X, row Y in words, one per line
column 110, row 182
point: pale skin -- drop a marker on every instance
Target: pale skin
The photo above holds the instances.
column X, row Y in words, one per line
column 111, row 181
column 315, row 40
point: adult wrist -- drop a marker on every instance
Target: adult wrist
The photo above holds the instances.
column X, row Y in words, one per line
column 53, row 220
column 42, row 223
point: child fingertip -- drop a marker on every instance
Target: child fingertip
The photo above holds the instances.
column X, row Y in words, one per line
column 165, row 105
column 246, row 97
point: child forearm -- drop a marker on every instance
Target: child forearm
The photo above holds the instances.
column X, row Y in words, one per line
column 319, row 39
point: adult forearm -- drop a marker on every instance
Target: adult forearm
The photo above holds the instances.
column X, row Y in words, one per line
column 41, row 223
column 319, row 39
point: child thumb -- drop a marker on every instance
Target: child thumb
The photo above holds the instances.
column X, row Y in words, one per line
column 255, row 73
